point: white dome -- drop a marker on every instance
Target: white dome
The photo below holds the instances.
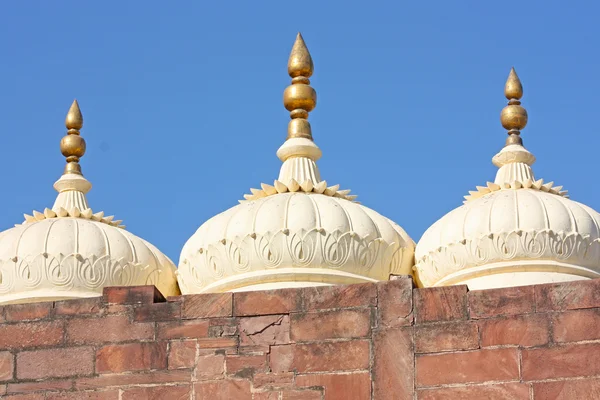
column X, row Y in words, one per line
column 69, row 251
column 514, row 231
column 298, row 231
column 69, row 257
column 511, row 237
column 293, row 239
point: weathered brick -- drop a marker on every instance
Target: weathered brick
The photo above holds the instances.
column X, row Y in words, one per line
column 561, row 362
column 568, row 295
column 578, row 325
column 31, row 334
column 225, row 343
column 96, row 395
column 210, row 367
column 395, row 302
column 183, row 329
column 208, row 305
column 87, row 306
column 273, row 380
column 281, row 358
column 281, row 301
column 244, row 366
column 354, row 386
column 504, row 301
column 505, row 391
column 580, row 389
column 252, row 350
column 132, row 295
column 111, row 328
column 144, row 378
column 119, row 309
column 157, row 312
column 336, row 324
column 393, row 352
column 157, row 392
column 264, row 330
column 445, row 303
column 316, row 298
column 55, row 363
column 27, row 312
column 467, row 367
column 522, row 330
column 223, row 327
column 223, row 389
column 331, row 356
column 182, row 354
column 307, row 394
column 271, row 395
column 131, row 357
column 7, row 364
column 53, row 385
column 29, row 396
column 447, row 336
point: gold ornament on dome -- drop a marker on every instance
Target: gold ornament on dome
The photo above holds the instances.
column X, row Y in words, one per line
column 514, row 118
column 72, row 146
column 299, row 99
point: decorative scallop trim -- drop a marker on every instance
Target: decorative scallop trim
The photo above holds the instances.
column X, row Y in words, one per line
column 528, row 184
column 73, row 213
column 293, row 186
column 518, row 245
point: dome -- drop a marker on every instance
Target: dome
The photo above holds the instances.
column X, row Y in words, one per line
column 298, row 231
column 68, row 257
column 69, row 251
column 514, row 231
column 299, row 238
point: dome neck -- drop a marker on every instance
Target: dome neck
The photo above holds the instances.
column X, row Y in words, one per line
column 299, row 156
column 514, row 162
column 71, row 189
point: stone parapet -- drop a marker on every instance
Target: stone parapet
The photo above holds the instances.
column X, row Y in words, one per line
column 379, row 341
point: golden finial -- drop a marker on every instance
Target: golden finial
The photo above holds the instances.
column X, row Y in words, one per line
column 72, row 146
column 513, row 89
column 300, row 62
column 513, row 117
column 300, row 98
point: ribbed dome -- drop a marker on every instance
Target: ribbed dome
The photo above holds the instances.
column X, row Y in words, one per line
column 299, row 238
column 69, row 251
column 74, row 257
column 513, row 231
column 508, row 231
column 298, row 231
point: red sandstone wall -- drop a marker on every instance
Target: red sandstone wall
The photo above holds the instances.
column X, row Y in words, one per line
column 384, row 341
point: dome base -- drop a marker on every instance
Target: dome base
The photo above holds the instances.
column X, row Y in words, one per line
column 280, row 278
column 518, row 273
column 44, row 295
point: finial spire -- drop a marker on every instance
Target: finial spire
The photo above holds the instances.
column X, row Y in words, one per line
column 300, row 98
column 300, row 62
column 513, row 89
column 514, row 161
column 72, row 145
column 299, row 152
column 513, row 117
column 72, row 185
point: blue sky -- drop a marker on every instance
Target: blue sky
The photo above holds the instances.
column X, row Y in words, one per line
column 183, row 111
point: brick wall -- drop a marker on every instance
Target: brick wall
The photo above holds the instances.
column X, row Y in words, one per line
column 367, row 341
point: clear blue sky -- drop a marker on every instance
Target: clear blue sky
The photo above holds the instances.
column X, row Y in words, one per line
column 183, row 111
